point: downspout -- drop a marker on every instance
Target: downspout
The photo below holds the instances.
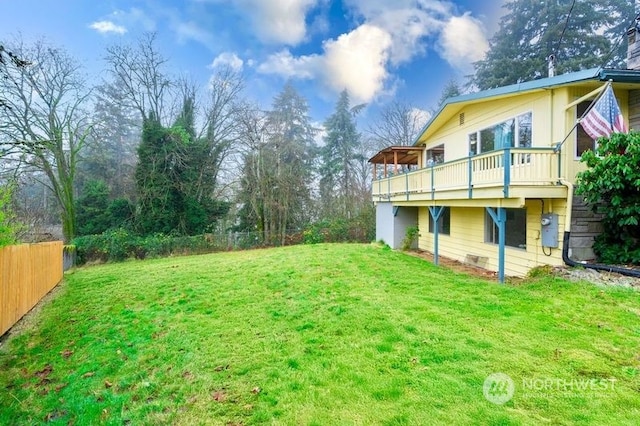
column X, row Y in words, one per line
column 567, row 234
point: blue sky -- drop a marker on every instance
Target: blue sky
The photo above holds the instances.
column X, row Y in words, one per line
column 379, row 50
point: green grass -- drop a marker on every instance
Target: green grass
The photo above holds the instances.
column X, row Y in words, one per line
column 317, row 335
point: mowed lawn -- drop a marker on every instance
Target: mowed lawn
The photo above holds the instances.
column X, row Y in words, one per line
column 320, row 335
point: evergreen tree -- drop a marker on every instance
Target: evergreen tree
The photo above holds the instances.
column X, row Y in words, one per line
column 110, row 152
column 580, row 33
column 159, row 156
column 450, row 90
column 277, row 170
column 337, row 182
column 91, row 210
column 172, row 197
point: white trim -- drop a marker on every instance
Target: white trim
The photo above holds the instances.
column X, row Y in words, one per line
column 516, row 131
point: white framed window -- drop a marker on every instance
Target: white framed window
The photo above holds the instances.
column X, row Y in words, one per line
column 514, row 132
column 515, row 229
column 444, row 222
column 435, row 155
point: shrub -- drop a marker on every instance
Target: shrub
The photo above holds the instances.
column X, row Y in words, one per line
column 411, row 236
column 611, row 185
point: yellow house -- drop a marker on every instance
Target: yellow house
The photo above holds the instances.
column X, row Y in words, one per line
column 489, row 180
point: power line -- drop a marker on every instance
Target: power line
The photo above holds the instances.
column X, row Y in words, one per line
column 566, row 23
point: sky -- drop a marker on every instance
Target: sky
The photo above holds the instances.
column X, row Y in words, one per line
column 381, row 51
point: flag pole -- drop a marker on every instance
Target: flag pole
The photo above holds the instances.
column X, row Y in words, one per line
column 558, row 146
column 607, row 84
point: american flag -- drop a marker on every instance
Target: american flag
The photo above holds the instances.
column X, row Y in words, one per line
column 604, row 117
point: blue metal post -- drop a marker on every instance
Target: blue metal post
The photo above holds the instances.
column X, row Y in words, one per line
column 507, row 171
column 433, row 184
column 436, row 213
column 470, row 178
column 499, row 217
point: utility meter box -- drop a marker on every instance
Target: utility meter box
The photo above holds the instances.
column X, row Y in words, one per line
column 549, row 223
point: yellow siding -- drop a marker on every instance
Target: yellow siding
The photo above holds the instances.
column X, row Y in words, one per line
column 468, row 235
column 570, row 161
column 552, row 122
column 481, row 115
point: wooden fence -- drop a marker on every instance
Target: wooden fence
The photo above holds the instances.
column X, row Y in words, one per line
column 27, row 273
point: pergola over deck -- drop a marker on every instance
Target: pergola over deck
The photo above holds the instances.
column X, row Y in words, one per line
column 397, row 155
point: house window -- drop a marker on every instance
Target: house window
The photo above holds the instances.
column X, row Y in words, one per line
column 444, row 223
column 515, row 229
column 515, row 132
column 435, row 155
column 584, row 142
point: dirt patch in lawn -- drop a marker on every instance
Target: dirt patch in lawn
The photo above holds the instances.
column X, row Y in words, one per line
column 455, row 265
column 600, row 278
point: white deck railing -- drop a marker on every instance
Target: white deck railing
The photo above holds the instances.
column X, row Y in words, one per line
column 501, row 168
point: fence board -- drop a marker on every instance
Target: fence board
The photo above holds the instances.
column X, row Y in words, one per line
column 27, row 273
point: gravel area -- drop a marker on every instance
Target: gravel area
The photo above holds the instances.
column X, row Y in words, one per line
column 598, row 277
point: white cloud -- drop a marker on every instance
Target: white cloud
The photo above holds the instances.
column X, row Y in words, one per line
column 277, row 21
column 391, row 33
column 462, row 42
column 228, row 59
column 118, row 21
column 189, row 30
column 136, row 17
column 283, row 63
column 357, row 62
column 420, row 118
column 105, row 27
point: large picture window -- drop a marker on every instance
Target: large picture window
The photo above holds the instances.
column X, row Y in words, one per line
column 514, row 132
column 515, row 229
column 444, row 223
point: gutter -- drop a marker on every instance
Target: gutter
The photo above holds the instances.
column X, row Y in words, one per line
column 565, row 243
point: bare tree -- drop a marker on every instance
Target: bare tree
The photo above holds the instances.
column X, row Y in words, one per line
column 222, row 126
column 398, row 124
column 43, row 123
column 140, row 73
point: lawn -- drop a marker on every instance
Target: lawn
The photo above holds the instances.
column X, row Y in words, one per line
column 319, row 335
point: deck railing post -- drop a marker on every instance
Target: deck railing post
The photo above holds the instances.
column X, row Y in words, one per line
column 507, row 171
column 406, row 184
column 470, row 171
column 433, row 184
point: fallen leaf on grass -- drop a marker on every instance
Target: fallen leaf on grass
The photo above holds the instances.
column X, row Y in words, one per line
column 107, row 384
column 45, row 371
column 219, row 396
column 256, row 390
column 66, row 353
column 61, row 386
column 88, row 374
column 221, row 368
column 54, row 415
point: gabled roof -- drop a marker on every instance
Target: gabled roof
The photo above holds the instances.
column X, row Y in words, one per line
column 454, row 104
